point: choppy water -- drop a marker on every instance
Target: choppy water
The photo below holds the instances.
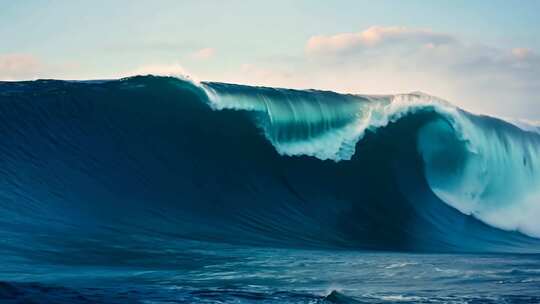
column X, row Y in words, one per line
column 206, row 273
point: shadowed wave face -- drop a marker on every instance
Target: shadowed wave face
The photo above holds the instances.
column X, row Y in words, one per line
column 104, row 168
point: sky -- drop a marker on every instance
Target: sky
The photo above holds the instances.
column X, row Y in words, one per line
column 481, row 55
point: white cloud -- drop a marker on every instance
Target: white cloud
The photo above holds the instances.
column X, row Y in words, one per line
column 29, row 67
column 19, row 66
column 203, row 54
column 522, row 53
column 15, row 67
column 488, row 79
column 372, row 37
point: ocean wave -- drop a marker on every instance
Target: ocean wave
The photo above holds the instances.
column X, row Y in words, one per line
column 126, row 164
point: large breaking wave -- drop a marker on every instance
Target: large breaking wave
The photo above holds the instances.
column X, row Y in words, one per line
column 124, row 163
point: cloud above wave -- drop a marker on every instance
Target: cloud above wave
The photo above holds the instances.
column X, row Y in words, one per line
column 204, row 53
column 372, row 37
column 19, row 66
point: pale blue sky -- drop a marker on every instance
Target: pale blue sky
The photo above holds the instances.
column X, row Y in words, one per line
column 265, row 43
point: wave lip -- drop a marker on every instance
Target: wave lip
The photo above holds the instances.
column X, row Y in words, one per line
column 131, row 163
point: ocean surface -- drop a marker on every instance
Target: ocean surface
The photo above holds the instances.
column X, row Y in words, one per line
column 164, row 190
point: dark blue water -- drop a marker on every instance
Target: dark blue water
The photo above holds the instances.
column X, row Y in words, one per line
column 207, row 273
column 159, row 190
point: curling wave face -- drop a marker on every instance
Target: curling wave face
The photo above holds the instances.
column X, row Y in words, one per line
column 480, row 165
column 134, row 162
